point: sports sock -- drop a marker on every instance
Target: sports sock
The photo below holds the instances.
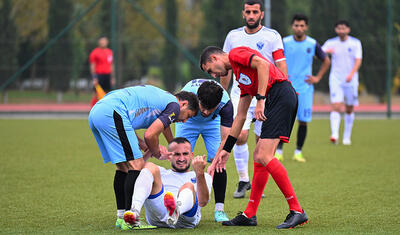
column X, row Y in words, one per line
column 335, row 124
column 142, row 189
column 279, row 173
column 219, row 186
column 119, row 182
column 187, row 201
column 129, row 186
column 348, row 125
column 219, row 206
column 260, row 178
column 241, row 155
column 301, row 136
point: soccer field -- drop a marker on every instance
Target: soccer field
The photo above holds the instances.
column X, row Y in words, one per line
column 53, row 180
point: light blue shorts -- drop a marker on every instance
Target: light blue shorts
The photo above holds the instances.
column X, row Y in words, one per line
column 304, row 111
column 210, row 131
column 114, row 134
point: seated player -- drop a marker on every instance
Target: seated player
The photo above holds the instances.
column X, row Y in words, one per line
column 172, row 198
column 213, row 123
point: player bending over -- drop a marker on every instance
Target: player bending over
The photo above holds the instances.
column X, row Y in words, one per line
column 172, row 198
column 276, row 108
column 115, row 118
column 213, row 123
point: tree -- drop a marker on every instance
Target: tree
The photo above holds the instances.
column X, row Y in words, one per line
column 169, row 57
column 8, row 42
column 59, row 56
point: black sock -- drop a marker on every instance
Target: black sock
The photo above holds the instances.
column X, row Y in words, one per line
column 129, row 185
column 119, row 189
column 280, row 145
column 219, row 186
column 301, row 136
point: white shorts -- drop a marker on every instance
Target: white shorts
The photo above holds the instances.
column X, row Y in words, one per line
column 235, row 97
column 343, row 93
column 157, row 214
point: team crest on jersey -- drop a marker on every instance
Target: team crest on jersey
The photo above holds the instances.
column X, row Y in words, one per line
column 308, row 50
column 260, row 45
column 193, row 180
column 172, row 117
column 244, row 79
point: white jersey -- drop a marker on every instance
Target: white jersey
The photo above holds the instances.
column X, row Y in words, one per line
column 266, row 41
column 344, row 56
column 173, row 180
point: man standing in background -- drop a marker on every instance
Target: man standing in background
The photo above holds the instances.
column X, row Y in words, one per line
column 269, row 43
column 346, row 54
column 300, row 50
column 102, row 68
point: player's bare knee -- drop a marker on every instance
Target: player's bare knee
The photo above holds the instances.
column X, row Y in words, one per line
column 187, row 185
column 349, row 109
column 336, row 107
column 136, row 164
column 153, row 168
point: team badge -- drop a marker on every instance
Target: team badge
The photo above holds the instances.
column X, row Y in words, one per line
column 244, row 79
column 172, row 117
column 260, row 45
column 308, row 50
column 193, row 180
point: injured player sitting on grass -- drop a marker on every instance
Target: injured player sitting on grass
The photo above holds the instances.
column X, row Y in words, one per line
column 172, row 198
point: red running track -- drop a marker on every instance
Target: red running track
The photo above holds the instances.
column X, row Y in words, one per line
column 79, row 107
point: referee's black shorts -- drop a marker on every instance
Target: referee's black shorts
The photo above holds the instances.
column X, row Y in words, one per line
column 280, row 111
column 105, row 81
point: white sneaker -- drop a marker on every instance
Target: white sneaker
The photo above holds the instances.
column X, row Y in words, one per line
column 346, row 142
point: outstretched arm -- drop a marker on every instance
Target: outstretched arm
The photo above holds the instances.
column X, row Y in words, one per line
column 203, row 195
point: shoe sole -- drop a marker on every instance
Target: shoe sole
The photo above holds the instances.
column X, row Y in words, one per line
column 129, row 218
column 169, row 203
column 301, row 224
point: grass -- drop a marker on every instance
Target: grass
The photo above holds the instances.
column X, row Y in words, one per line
column 53, row 180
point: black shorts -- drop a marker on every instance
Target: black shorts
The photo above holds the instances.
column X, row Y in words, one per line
column 105, row 81
column 280, row 111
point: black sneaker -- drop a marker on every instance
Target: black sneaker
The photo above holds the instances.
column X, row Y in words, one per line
column 241, row 220
column 293, row 219
column 241, row 190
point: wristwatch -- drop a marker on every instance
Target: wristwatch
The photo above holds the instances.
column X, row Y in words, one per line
column 260, row 97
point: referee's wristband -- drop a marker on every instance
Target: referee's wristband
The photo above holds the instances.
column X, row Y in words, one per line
column 229, row 143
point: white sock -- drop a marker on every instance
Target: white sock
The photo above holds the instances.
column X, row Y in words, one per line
column 186, row 198
column 297, row 151
column 219, row 206
column 348, row 125
column 120, row 214
column 241, row 155
column 335, row 124
column 143, row 186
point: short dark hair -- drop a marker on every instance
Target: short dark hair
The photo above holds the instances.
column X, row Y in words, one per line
column 207, row 52
column 252, row 2
column 299, row 17
column 344, row 22
column 179, row 140
column 210, row 94
column 193, row 101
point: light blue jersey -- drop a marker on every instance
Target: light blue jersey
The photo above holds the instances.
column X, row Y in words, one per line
column 208, row 127
column 142, row 104
column 299, row 59
column 114, row 119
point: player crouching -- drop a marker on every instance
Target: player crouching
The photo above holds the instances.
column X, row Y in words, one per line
column 172, row 198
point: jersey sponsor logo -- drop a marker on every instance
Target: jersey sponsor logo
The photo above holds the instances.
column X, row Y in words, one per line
column 194, row 180
column 141, row 111
column 260, row 45
column 308, row 50
column 244, row 79
column 172, row 116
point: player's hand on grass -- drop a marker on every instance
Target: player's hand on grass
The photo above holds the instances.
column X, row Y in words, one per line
column 199, row 163
column 259, row 111
column 312, row 79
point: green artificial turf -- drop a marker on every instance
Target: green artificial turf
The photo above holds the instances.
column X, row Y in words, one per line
column 53, row 180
